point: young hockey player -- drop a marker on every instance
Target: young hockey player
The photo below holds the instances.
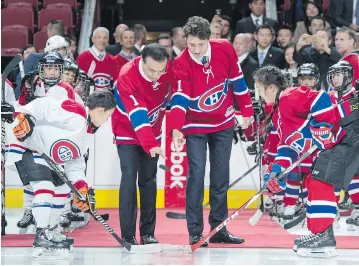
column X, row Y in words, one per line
column 297, row 134
column 51, row 126
column 337, row 74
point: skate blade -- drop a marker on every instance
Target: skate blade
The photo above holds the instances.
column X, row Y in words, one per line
column 55, row 254
column 327, row 252
column 295, row 248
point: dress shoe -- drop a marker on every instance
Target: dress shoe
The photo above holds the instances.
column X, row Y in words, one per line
column 148, row 239
column 131, row 240
column 223, row 236
column 194, row 239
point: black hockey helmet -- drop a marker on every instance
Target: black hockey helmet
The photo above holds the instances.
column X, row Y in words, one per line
column 339, row 73
column 309, row 70
column 54, row 62
column 71, row 65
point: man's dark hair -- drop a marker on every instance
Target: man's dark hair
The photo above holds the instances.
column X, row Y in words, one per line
column 70, row 38
column 101, row 98
column 175, row 30
column 318, row 17
column 226, row 17
column 138, row 29
column 164, row 36
column 197, row 27
column 125, row 31
column 265, row 26
column 27, row 47
column 156, row 51
column 57, row 26
column 350, row 32
column 286, row 27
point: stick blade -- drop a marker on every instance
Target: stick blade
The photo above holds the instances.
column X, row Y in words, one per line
column 168, row 248
column 145, row 249
column 296, row 221
column 175, row 215
column 255, row 218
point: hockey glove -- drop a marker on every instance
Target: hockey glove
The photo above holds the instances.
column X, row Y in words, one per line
column 322, row 134
column 258, row 109
column 7, row 112
column 25, row 126
column 270, row 179
column 87, row 202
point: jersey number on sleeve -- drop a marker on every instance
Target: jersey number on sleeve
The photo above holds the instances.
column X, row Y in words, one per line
column 135, row 103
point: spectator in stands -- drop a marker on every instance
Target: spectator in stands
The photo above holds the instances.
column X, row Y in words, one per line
column 26, row 52
column 344, row 41
column 251, row 42
column 247, row 62
column 98, row 64
column 256, row 19
column 356, row 43
column 72, row 44
column 226, row 27
column 115, row 49
column 344, row 13
column 316, row 49
column 179, row 40
column 265, row 53
column 312, row 10
column 127, row 52
column 285, row 36
column 165, row 40
column 290, row 65
column 55, row 27
column 216, row 31
column 140, row 37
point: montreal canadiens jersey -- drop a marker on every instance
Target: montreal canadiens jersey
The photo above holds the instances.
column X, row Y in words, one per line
column 202, row 101
column 60, row 132
column 141, row 104
column 105, row 70
column 353, row 59
column 292, row 120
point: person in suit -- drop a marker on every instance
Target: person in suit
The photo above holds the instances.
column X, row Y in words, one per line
column 165, row 40
column 179, row 41
column 265, row 53
column 344, row 13
column 115, row 49
column 256, row 18
column 140, row 37
column 247, row 62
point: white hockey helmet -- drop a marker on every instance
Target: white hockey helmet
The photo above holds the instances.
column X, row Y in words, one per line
column 56, row 42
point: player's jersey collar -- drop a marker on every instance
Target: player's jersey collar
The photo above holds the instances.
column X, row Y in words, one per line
column 208, row 54
column 143, row 74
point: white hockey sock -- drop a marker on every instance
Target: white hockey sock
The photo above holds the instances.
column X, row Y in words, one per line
column 62, row 196
column 28, row 196
column 42, row 203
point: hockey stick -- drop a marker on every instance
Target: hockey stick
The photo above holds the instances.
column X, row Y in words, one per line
column 15, row 61
column 255, row 218
column 90, row 74
column 175, row 215
column 301, row 216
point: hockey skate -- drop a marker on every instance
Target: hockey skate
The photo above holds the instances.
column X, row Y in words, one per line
column 321, row 245
column 353, row 221
column 79, row 220
column 301, row 239
column 345, row 205
column 27, row 222
column 65, row 223
column 336, row 224
column 50, row 244
column 277, row 212
column 289, row 213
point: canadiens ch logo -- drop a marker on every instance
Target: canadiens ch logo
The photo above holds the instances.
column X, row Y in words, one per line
column 102, row 80
column 153, row 116
column 64, row 150
column 213, row 98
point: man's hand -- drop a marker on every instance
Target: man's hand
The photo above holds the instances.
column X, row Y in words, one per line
column 85, row 203
column 157, row 151
column 322, row 46
column 246, row 122
column 178, row 140
column 7, row 112
column 354, row 27
column 25, row 126
column 303, row 40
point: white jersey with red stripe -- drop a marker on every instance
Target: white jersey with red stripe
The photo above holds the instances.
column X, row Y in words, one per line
column 9, row 92
column 60, row 132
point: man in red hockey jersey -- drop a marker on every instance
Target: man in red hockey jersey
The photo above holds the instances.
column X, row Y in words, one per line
column 141, row 93
column 202, row 108
column 97, row 63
